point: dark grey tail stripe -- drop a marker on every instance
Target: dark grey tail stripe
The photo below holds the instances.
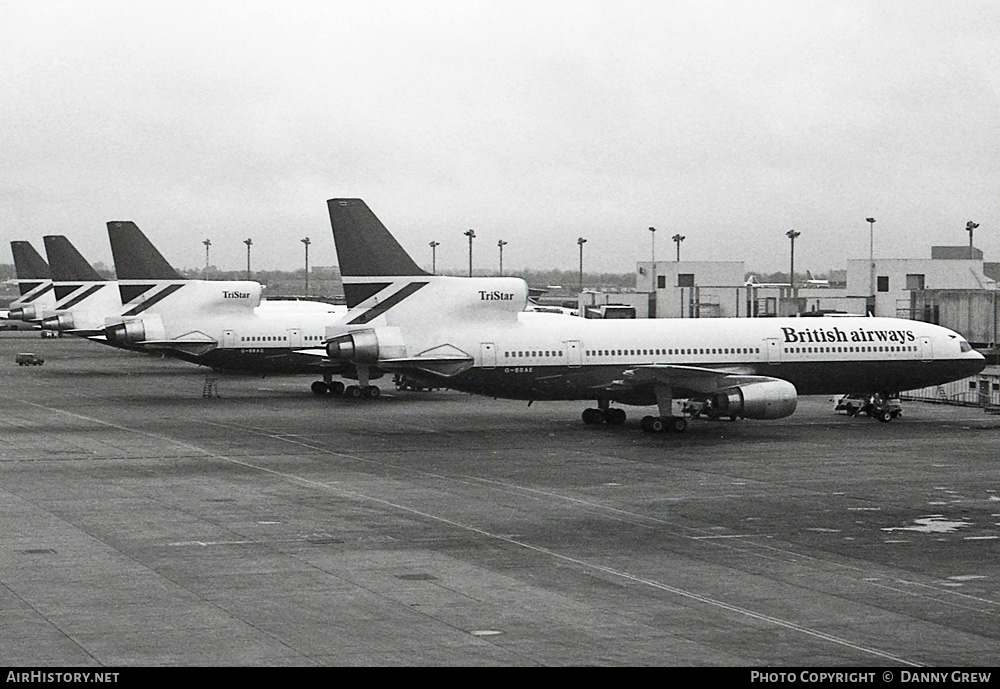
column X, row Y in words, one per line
column 80, row 297
column 163, row 294
column 28, row 298
column 377, row 310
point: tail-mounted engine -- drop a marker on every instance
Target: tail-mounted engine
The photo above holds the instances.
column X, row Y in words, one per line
column 770, row 399
column 61, row 321
column 28, row 312
column 359, row 347
column 134, row 331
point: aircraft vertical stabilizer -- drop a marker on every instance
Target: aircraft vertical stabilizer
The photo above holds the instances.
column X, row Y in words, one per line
column 34, row 284
column 67, row 264
column 364, row 246
column 135, row 256
column 28, row 263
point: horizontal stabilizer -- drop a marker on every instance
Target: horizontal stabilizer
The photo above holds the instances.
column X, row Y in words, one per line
column 135, row 256
column 441, row 366
column 312, row 351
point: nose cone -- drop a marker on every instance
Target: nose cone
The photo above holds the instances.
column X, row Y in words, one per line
column 975, row 362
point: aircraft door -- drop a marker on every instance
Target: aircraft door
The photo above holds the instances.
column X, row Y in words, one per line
column 488, row 354
column 229, row 339
column 773, row 350
column 574, row 357
column 295, row 338
column 926, row 349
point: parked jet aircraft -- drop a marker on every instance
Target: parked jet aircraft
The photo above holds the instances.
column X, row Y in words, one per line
column 472, row 334
column 34, row 282
column 225, row 325
column 84, row 299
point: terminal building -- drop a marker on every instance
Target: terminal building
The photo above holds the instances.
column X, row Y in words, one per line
column 954, row 288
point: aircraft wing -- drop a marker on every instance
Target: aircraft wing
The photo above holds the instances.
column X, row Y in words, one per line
column 687, row 380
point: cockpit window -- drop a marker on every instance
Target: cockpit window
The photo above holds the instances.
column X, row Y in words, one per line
column 966, row 347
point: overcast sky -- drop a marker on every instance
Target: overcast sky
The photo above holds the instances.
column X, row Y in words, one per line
column 533, row 122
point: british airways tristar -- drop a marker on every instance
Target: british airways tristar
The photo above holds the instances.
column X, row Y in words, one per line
column 34, row 284
column 84, row 299
column 472, row 334
column 225, row 325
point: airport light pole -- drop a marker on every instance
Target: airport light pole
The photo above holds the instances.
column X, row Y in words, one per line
column 581, row 241
column 471, row 234
column 652, row 237
column 306, row 242
column 970, row 227
column 678, row 238
column 871, row 256
column 434, row 246
column 249, row 243
column 792, row 234
column 500, row 245
column 207, row 243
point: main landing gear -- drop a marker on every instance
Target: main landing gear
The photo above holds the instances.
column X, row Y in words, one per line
column 364, row 389
column 667, row 421
column 321, row 387
column 337, row 389
column 612, row 417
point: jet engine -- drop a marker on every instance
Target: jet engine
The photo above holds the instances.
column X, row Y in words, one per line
column 61, row 321
column 28, row 312
column 125, row 333
column 769, row 399
column 359, row 347
column 134, row 331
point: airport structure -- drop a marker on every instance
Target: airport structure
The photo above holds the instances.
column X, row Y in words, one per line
column 954, row 288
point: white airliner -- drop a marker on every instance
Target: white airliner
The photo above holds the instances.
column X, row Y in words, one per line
column 224, row 325
column 84, row 299
column 472, row 334
column 34, row 283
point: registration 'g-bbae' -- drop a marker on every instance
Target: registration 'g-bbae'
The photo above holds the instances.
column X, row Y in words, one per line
column 472, row 334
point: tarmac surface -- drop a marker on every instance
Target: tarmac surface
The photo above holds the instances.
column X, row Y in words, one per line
column 144, row 525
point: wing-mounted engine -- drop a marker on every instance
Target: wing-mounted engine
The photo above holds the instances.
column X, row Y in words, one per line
column 768, row 399
column 135, row 331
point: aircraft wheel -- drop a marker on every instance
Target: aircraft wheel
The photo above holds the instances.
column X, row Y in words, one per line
column 678, row 424
column 593, row 416
column 615, row 417
column 337, row 388
column 320, row 388
column 372, row 391
column 354, row 392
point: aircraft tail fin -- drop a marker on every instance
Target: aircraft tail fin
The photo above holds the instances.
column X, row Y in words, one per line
column 364, row 246
column 135, row 256
column 28, row 263
column 67, row 264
